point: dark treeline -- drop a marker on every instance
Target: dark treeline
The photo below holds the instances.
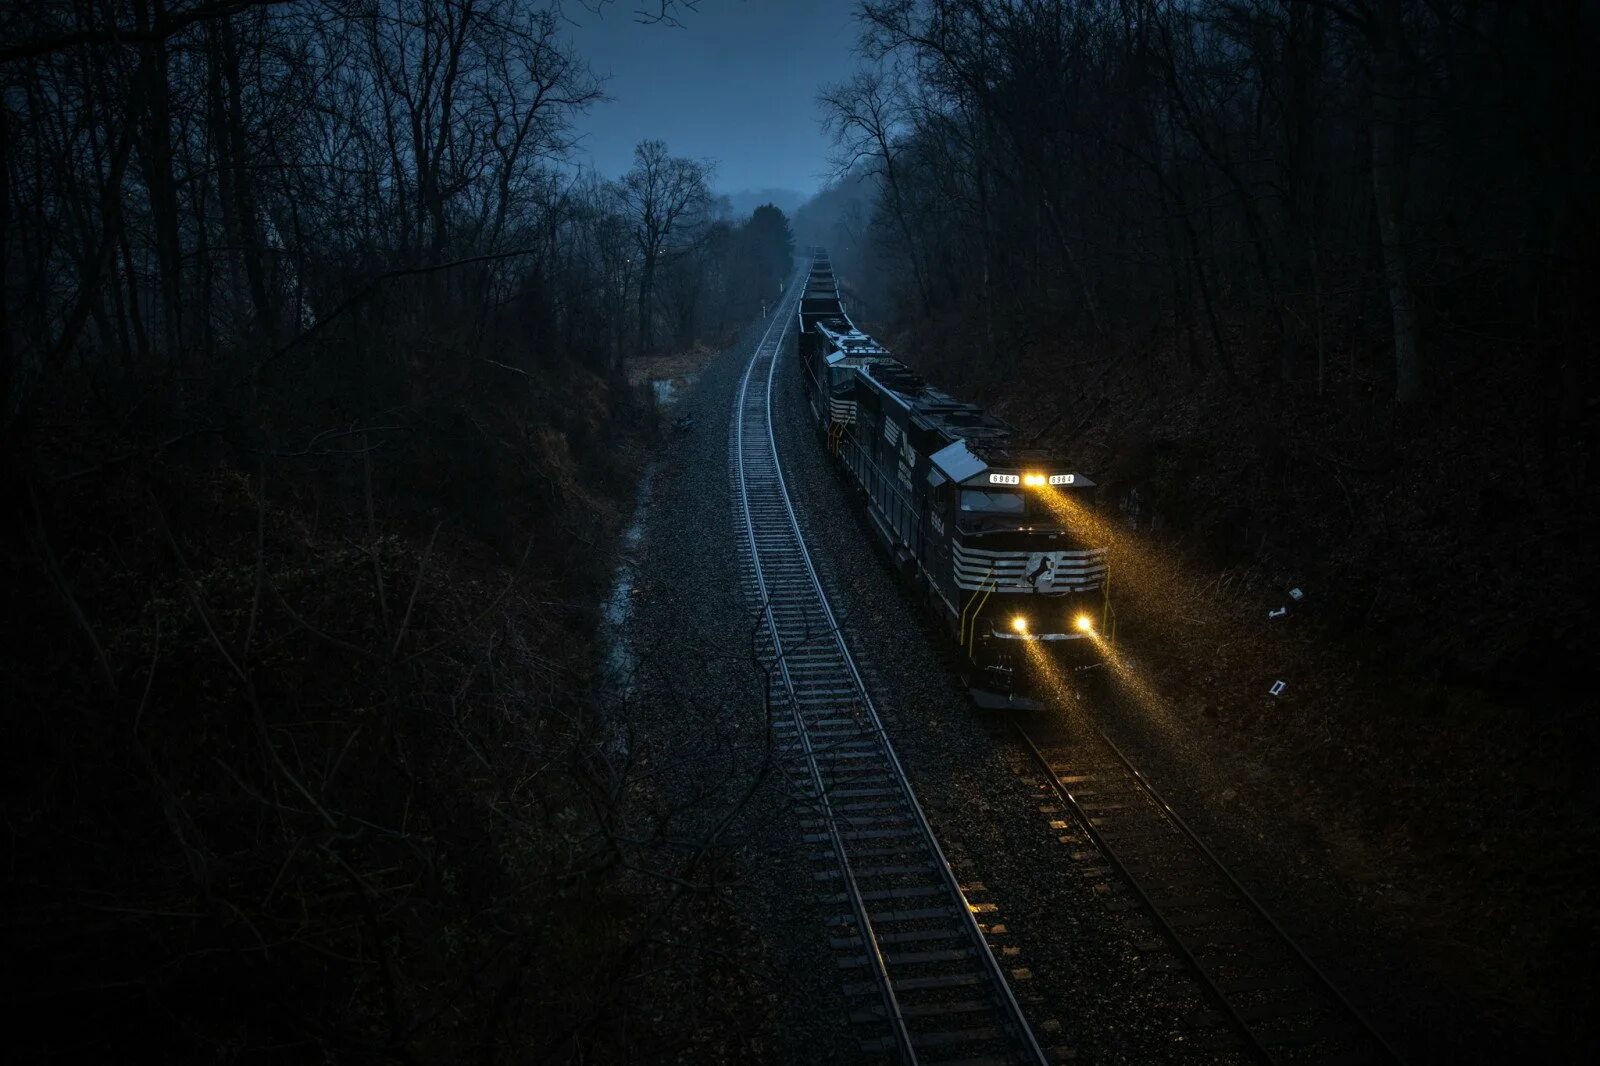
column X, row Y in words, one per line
column 316, row 430
column 236, row 186
column 1306, row 284
column 1289, row 165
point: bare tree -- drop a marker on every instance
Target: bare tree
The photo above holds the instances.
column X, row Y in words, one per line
column 868, row 118
column 664, row 199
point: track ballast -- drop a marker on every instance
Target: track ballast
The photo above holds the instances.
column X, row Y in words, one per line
column 1271, row 1001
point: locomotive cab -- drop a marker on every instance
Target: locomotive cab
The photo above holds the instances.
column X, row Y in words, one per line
column 1028, row 595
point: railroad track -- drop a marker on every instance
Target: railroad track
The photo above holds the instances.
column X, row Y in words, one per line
column 920, row 977
column 1271, row 1001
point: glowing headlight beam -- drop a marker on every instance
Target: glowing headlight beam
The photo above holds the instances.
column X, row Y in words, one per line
column 1136, row 567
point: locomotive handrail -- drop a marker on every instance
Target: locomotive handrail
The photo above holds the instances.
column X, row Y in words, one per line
column 906, row 501
column 976, row 605
column 966, row 610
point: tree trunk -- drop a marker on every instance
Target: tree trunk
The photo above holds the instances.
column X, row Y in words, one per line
column 897, row 201
column 1182, row 306
column 1071, row 260
column 647, row 293
column 986, row 243
column 155, row 151
column 1388, row 190
column 8, row 403
column 246, row 225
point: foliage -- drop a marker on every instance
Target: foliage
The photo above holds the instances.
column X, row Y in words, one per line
column 315, row 441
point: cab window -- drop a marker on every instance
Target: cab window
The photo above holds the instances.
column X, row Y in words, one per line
column 976, row 501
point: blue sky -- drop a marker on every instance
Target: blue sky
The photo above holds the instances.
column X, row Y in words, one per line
column 736, row 84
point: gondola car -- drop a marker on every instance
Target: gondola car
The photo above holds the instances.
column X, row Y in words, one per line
column 982, row 526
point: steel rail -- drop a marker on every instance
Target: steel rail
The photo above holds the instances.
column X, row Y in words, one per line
column 879, row 965
column 999, row 988
column 1003, row 987
column 1327, row 983
column 1363, row 1028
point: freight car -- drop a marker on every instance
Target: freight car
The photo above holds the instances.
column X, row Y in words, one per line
column 996, row 536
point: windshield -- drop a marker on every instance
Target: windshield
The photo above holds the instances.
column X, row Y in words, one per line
column 979, row 502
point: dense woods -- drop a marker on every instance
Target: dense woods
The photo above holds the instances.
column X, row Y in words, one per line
column 1305, row 285
column 316, row 431
column 1301, row 166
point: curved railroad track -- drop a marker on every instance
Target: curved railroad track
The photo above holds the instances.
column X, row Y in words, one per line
column 1271, row 1000
column 921, row 979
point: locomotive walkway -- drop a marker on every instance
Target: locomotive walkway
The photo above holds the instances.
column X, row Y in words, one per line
column 922, row 980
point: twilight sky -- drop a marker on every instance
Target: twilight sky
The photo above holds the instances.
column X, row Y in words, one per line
column 737, row 84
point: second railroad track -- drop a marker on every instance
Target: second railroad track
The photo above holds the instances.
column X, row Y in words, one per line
column 1270, row 1000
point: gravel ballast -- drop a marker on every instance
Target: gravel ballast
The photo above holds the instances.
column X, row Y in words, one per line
column 748, row 974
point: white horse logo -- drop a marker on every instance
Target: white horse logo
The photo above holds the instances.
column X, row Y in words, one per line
column 1040, row 571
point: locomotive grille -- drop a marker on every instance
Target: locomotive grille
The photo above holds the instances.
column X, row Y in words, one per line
column 1019, row 571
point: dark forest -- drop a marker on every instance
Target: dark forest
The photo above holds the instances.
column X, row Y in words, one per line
column 336, row 394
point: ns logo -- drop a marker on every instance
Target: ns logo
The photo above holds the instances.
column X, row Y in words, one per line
column 1039, row 573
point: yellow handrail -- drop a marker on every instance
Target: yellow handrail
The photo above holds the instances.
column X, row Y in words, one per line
column 975, row 605
column 1108, row 614
column 972, row 650
column 961, row 636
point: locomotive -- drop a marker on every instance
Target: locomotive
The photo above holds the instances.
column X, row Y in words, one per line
column 979, row 524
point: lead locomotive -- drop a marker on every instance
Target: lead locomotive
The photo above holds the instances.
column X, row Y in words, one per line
column 982, row 527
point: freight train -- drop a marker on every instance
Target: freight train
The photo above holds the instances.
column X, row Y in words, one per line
column 993, row 534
